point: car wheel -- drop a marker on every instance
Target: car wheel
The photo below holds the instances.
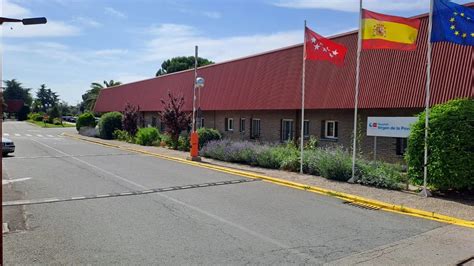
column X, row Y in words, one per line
column 4, row 154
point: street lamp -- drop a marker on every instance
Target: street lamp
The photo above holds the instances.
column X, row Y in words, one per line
column 25, row 21
column 198, row 84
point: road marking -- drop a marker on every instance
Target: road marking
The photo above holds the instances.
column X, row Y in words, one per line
column 39, row 135
column 126, row 193
column 51, row 136
column 64, row 156
column 262, row 237
column 6, row 134
column 18, row 135
column 9, row 181
column 400, row 209
column 28, row 135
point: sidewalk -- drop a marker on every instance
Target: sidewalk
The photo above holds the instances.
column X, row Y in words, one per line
column 459, row 208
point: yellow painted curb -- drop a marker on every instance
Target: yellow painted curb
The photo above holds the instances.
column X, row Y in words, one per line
column 341, row 195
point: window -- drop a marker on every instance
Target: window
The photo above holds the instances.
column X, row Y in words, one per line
column 306, row 128
column 401, row 144
column 242, row 125
column 287, row 129
column 229, row 124
column 255, row 128
column 153, row 121
column 330, row 129
column 201, row 123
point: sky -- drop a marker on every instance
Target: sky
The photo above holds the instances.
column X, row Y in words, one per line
column 89, row 41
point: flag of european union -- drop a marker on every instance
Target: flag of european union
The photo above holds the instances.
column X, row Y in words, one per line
column 452, row 23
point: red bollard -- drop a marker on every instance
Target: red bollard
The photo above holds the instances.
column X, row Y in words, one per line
column 195, row 147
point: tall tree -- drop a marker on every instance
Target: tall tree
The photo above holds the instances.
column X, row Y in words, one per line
column 89, row 98
column 180, row 63
column 45, row 99
column 173, row 116
column 14, row 91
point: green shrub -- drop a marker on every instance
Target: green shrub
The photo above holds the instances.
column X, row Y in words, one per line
column 450, row 146
column 382, row 175
column 207, row 134
column 184, row 143
column 273, row 157
column 167, row 140
column 108, row 123
column 122, row 135
column 291, row 163
column 335, row 164
column 85, row 120
column 311, row 144
column 147, row 136
column 35, row 116
column 57, row 121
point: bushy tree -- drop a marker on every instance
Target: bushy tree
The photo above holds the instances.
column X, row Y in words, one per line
column 173, row 116
column 450, row 146
column 14, row 91
column 85, row 120
column 45, row 99
column 181, row 63
column 130, row 118
column 54, row 113
column 108, row 123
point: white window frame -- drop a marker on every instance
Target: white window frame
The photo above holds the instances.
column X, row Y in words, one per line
column 326, row 129
column 230, row 124
column 252, row 135
column 242, row 122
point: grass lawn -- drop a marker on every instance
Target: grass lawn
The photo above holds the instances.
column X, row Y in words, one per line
column 48, row 125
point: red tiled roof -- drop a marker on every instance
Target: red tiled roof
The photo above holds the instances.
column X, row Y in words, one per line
column 272, row 80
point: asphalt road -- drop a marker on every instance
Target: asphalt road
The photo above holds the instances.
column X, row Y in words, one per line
column 245, row 223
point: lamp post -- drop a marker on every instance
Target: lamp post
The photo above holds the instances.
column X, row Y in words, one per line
column 25, row 21
column 198, row 85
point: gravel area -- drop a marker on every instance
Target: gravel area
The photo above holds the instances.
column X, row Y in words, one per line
column 462, row 208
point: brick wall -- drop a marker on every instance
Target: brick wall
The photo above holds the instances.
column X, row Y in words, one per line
column 270, row 123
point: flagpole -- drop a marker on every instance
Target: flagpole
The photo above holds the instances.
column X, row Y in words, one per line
column 302, row 100
column 425, row 192
column 356, row 97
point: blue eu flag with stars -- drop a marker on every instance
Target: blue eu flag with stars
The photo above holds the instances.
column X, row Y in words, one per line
column 452, row 23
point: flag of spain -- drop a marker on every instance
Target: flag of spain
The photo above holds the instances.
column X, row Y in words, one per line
column 380, row 31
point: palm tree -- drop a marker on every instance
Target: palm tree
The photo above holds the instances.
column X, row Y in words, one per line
column 90, row 97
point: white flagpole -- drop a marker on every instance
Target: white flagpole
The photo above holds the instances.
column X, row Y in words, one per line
column 302, row 100
column 425, row 192
column 356, row 97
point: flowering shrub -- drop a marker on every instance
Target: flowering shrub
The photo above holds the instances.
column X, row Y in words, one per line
column 333, row 164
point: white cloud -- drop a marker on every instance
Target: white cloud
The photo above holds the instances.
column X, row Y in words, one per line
column 50, row 29
column 353, row 5
column 89, row 22
column 13, row 10
column 174, row 39
column 114, row 12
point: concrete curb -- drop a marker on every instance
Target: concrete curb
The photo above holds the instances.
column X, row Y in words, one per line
column 341, row 195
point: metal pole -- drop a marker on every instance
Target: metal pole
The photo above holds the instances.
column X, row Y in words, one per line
column 302, row 100
column 194, row 87
column 375, row 148
column 1, row 127
column 425, row 192
column 356, row 97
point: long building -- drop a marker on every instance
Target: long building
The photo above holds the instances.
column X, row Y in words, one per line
column 259, row 97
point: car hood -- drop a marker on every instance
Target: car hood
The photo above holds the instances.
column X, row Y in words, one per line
column 5, row 140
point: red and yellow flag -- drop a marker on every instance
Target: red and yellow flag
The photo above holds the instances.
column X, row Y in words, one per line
column 381, row 31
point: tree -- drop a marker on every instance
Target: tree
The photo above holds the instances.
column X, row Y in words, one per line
column 130, row 118
column 45, row 99
column 89, row 98
column 15, row 91
column 173, row 116
column 180, row 63
column 450, row 146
